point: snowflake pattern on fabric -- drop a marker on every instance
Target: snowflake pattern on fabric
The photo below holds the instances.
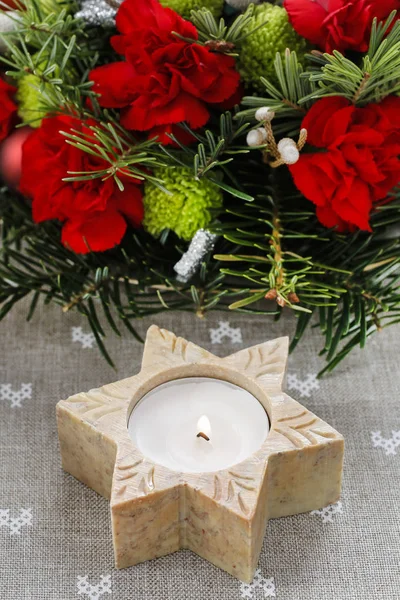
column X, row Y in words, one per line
column 266, row 586
column 224, row 330
column 86, row 339
column 15, row 523
column 94, row 592
column 15, row 397
column 303, row 386
column 388, row 444
column 328, row 512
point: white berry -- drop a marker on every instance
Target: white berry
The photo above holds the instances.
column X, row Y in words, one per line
column 256, row 137
column 288, row 150
column 264, row 114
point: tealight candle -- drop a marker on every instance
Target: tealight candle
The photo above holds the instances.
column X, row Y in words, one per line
column 198, row 452
column 198, row 424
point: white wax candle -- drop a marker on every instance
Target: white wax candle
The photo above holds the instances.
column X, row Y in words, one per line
column 166, row 422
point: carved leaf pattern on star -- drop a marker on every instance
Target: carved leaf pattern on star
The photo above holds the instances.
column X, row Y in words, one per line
column 265, row 363
column 98, row 403
column 133, row 476
column 164, row 346
column 232, row 490
column 303, row 429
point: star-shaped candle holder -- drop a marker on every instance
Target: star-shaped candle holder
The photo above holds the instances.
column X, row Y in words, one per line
column 221, row 514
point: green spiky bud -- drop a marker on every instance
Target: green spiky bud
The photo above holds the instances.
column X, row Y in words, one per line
column 31, row 91
column 28, row 96
column 190, row 204
column 258, row 50
column 183, row 7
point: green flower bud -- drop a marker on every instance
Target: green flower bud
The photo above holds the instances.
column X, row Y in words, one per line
column 189, row 206
column 258, row 50
column 30, row 108
column 183, row 7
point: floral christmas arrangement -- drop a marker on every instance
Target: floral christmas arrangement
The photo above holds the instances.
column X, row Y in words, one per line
column 203, row 154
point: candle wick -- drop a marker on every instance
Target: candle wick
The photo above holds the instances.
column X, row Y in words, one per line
column 203, row 435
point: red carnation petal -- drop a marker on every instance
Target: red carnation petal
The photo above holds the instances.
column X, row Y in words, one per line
column 315, row 177
column 327, row 216
column 8, row 108
column 96, row 233
column 52, row 200
column 318, row 117
column 381, row 9
column 389, row 110
column 181, row 134
column 232, row 101
column 308, row 16
column 182, row 108
column 115, row 83
column 356, row 208
column 129, row 203
column 136, row 18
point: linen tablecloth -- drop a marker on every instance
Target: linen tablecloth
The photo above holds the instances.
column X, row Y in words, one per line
column 55, row 535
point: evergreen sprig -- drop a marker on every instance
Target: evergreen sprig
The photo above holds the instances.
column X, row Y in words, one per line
column 351, row 285
column 376, row 77
column 290, row 98
column 214, row 152
column 232, row 34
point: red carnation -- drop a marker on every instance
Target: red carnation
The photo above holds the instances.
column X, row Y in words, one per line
column 164, row 80
column 357, row 161
column 338, row 24
column 94, row 212
column 8, row 108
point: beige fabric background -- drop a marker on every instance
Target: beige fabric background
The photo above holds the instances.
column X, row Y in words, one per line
column 355, row 556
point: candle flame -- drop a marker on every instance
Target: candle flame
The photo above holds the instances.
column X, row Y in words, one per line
column 204, row 425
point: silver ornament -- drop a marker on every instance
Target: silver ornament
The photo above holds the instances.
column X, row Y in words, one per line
column 202, row 242
column 98, row 12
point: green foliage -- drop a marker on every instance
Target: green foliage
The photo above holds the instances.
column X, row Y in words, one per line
column 270, row 243
column 209, row 29
column 290, row 97
column 108, row 141
column 295, row 88
column 377, row 76
column 350, row 284
column 216, row 149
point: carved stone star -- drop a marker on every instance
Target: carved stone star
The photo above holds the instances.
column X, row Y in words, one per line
column 221, row 516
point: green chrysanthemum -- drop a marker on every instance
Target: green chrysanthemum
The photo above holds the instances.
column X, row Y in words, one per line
column 259, row 49
column 183, row 7
column 28, row 97
column 189, row 206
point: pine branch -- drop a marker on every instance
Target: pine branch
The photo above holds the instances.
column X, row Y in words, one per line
column 227, row 37
column 218, row 145
column 290, row 99
column 376, row 77
column 349, row 282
